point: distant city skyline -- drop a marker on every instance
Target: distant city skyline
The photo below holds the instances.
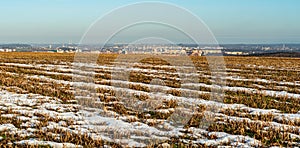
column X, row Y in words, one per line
column 231, row 21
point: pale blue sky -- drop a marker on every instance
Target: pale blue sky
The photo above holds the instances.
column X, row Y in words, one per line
column 231, row 21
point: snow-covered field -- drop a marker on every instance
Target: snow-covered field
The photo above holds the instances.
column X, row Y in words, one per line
column 49, row 103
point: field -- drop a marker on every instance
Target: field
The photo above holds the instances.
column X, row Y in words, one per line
column 46, row 102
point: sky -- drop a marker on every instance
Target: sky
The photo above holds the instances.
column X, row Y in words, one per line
column 231, row 21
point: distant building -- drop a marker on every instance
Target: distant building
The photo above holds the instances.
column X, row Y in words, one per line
column 7, row 50
column 266, row 48
column 211, row 51
column 197, row 53
column 194, row 52
column 234, row 53
column 182, row 51
column 67, row 49
column 124, row 51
